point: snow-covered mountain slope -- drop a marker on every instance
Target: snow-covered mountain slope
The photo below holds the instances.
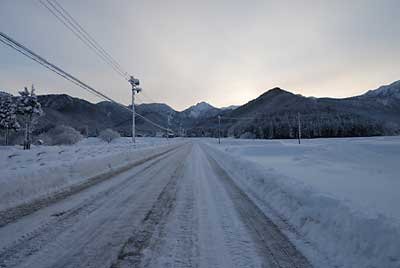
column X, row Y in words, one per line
column 387, row 91
column 201, row 109
column 388, row 95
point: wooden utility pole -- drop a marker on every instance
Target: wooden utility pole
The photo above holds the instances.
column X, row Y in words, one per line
column 299, row 127
column 135, row 89
column 219, row 129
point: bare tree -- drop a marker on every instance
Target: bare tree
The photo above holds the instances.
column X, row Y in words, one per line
column 108, row 135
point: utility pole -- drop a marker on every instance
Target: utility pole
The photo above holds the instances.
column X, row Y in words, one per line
column 169, row 124
column 219, row 129
column 299, row 127
column 135, row 89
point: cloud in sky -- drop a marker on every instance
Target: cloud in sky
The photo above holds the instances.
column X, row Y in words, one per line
column 224, row 52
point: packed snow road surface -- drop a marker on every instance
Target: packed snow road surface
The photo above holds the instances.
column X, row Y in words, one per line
column 179, row 209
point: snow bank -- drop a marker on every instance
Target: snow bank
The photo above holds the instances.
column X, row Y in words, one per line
column 27, row 175
column 287, row 186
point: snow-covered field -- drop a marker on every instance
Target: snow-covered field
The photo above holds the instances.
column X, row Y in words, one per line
column 333, row 199
column 342, row 195
column 26, row 175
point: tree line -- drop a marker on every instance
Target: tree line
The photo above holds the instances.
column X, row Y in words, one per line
column 18, row 113
column 285, row 126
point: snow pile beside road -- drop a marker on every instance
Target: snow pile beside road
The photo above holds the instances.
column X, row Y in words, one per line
column 342, row 229
column 27, row 175
column 362, row 171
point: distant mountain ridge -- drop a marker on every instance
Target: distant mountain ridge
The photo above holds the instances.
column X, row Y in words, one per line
column 272, row 115
column 392, row 90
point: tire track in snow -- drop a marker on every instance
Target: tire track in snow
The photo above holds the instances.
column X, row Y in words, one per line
column 226, row 234
column 175, row 244
column 204, row 230
column 132, row 252
column 60, row 227
column 13, row 214
column 274, row 247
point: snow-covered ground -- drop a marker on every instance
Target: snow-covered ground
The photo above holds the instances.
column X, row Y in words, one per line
column 248, row 203
column 342, row 195
column 26, row 175
column 178, row 209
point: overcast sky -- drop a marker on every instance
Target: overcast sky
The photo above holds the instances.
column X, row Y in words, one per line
column 223, row 52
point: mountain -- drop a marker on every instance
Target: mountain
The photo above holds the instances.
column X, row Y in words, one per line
column 388, row 96
column 230, row 107
column 274, row 114
column 61, row 109
column 391, row 91
column 80, row 114
column 201, row 109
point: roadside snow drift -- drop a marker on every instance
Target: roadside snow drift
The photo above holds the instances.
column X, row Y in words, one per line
column 27, row 175
column 339, row 196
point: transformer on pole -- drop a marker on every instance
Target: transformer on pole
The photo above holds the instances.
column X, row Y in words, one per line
column 135, row 89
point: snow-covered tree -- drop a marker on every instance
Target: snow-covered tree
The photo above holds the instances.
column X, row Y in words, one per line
column 30, row 108
column 8, row 117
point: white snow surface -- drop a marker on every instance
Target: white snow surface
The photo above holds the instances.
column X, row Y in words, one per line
column 26, row 175
column 335, row 199
column 340, row 195
column 175, row 210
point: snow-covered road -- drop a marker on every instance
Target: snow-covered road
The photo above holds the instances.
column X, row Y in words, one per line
column 179, row 209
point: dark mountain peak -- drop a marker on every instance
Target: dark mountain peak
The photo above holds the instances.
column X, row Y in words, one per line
column 277, row 89
column 56, row 101
column 156, row 108
column 275, row 92
column 155, row 105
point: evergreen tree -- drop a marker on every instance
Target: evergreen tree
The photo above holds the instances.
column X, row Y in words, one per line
column 8, row 117
column 30, row 109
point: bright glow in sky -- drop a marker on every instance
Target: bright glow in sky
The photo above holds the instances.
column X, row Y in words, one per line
column 220, row 51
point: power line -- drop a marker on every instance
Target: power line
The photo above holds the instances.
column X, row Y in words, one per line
column 105, row 55
column 32, row 55
column 91, row 38
column 53, row 70
column 75, row 28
